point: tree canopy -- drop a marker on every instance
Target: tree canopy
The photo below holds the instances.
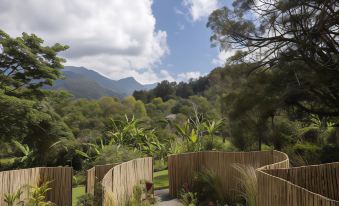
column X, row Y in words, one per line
column 26, row 64
column 295, row 35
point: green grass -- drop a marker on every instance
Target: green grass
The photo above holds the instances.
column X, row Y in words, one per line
column 77, row 192
column 7, row 161
column 161, row 179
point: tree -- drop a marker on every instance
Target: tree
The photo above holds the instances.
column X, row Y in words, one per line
column 25, row 115
column 302, row 35
column 184, row 90
column 165, row 90
column 25, row 63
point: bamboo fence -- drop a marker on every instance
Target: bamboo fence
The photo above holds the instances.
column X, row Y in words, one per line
column 95, row 175
column 316, row 185
column 278, row 185
column 60, row 178
column 119, row 182
column 182, row 167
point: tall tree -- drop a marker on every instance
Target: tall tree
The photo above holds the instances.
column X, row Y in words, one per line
column 296, row 35
column 26, row 63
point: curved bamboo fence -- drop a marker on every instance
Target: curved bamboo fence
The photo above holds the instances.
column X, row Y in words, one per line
column 182, row 167
column 95, row 175
column 316, row 185
column 60, row 178
column 119, row 182
column 278, row 185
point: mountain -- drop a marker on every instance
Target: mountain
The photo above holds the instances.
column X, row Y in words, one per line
column 86, row 83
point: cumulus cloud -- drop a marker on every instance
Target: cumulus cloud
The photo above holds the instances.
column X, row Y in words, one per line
column 113, row 37
column 186, row 76
column 200, row 8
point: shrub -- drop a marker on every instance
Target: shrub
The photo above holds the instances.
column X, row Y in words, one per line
column 116, row 154
column 85, row 200
column 303, row 154
column 142, row 195
column 207, row 187
column 188, row 198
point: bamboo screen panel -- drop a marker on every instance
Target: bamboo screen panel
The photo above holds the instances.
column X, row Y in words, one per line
column 60, row 178
column 119, row 182
column 95, row 175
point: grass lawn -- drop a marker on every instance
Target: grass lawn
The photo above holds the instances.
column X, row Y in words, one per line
column 77, row 192
column 161, row 179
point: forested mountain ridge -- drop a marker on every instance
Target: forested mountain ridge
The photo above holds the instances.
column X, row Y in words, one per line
column 86, row 83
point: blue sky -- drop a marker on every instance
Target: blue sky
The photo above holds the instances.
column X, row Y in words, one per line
column 188, row 40
column 150, row 40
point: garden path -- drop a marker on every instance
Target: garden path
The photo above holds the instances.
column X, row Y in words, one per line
column 164, row 199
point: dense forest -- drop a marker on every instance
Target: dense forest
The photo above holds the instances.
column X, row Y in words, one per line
column 286, row 99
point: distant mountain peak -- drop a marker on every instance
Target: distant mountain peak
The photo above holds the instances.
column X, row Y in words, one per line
column 77, row 77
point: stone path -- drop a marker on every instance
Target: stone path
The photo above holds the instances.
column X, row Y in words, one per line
column 164, row 199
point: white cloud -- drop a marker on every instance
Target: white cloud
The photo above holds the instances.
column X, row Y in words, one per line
column 200, row 8
column 222, row 57
column 186, row 76
column 113, row 37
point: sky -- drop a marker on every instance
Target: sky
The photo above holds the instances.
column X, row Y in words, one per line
column 150, row 40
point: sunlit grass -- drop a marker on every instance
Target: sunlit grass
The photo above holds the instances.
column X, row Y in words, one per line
column 77, row 192
column 161, row 179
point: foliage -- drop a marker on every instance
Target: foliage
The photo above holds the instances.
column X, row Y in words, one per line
column 141, row 196
column 12, row 199
column 128, row 133
column 188, row 198
column 26, row 151
column 38, row 194
column 207, row 188
column 115, row 154
column 248, row 183
column 85, row 200
column 286, row 40
column 25, row 63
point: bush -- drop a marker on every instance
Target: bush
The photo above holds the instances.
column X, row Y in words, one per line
column 330, row 153
column 142, row 195
column 303, row 154
column 85, row 200
column 114, row 154
column 207, row 187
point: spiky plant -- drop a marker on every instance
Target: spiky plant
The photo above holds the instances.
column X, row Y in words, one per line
column 38, row 194
column 248, row 183
column 11, row 199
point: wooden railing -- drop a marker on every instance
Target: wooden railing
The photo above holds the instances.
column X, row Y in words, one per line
column 60, row 179
column 119, row 182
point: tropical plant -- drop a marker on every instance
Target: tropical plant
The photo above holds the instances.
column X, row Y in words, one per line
column 28, row 153
column 212, row 127
column 11, row 199
column 129, row 133
column 37, row 195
